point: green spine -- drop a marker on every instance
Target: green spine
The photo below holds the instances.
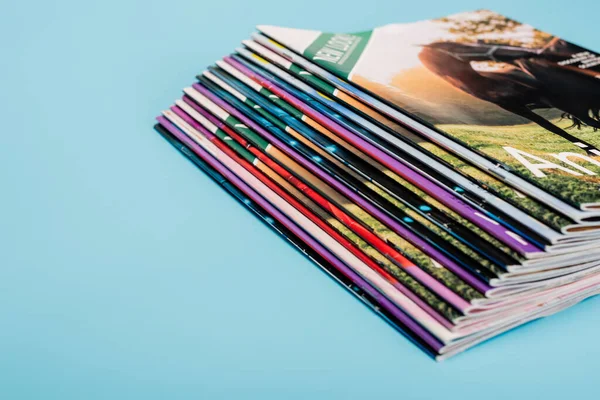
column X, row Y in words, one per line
column 247, row 132
column 228, row 140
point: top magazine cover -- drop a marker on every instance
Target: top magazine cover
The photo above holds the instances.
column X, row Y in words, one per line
column 521, row 98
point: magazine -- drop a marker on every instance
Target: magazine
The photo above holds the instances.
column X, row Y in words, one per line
column 445, row 171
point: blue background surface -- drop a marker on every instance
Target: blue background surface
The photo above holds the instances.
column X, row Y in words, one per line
column 116, row 277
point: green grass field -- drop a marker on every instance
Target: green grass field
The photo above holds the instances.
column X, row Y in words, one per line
column 535, row 140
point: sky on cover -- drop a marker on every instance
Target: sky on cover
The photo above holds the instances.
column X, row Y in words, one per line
column 383, row 62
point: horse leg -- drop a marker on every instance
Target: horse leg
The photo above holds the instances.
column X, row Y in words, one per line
column 544, row 123
column 590, row 121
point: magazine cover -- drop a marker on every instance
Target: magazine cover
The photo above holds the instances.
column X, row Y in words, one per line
column 479, row 75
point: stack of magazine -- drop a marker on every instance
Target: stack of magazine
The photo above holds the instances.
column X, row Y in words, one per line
column 446, row 171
